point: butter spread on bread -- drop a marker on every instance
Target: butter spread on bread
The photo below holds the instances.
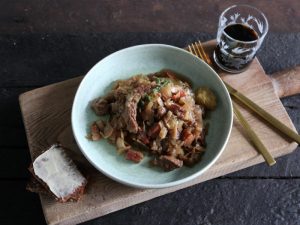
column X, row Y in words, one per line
column 55, row 169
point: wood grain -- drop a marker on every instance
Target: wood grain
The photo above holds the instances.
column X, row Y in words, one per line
column 287, row 82
column 74, row 16
column 46, row 114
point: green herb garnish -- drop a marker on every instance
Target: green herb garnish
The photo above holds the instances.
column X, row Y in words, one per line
column 161, row 82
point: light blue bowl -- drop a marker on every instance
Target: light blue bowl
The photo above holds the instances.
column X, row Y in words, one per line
column 146, row 59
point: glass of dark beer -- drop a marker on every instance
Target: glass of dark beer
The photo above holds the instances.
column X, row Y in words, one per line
column 241, row 31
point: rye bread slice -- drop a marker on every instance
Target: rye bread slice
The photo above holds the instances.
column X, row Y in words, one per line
column 57, row 174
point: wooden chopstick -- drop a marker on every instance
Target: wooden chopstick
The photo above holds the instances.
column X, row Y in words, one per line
column 263, row 114
column 253, row 137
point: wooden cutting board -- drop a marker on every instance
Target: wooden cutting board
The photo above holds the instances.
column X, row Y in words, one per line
column 47, row 112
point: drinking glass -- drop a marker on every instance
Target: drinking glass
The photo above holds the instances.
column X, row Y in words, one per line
column 241, row 31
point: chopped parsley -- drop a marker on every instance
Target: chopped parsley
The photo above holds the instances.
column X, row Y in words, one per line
column 161, row 82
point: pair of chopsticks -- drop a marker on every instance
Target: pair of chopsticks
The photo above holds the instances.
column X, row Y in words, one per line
column 197, row 49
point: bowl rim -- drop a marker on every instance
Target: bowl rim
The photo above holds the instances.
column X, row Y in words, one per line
column 143, row 185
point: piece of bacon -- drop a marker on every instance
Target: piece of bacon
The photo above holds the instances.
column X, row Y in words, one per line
column 187, row 137
column 176, row 109
column 143, row 138
column 95, row 132
column 178, row 95
column 154, row 130
column 134, row 156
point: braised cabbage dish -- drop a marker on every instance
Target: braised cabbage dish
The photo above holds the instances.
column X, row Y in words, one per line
column 156, row 114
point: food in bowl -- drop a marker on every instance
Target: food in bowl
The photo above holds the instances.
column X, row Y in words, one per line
column 145, row 59
column 154, row 113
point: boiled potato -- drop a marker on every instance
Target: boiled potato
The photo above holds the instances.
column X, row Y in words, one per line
column 205, row 97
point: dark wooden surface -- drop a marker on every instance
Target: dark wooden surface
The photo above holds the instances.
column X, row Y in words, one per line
column 34, row 16
column 43, row 42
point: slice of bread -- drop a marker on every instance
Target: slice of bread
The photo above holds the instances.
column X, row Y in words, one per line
column 58, row 175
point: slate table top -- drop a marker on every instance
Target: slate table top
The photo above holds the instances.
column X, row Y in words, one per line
column 35, row 57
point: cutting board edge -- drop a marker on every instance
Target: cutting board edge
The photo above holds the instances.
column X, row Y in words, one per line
column 23, row 96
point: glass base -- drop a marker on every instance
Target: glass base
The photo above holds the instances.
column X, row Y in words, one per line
column 225, row 68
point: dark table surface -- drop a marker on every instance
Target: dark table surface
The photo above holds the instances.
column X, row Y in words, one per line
column 43, row 42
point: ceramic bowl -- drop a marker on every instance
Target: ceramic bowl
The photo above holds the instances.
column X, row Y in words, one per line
column 145, row 59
